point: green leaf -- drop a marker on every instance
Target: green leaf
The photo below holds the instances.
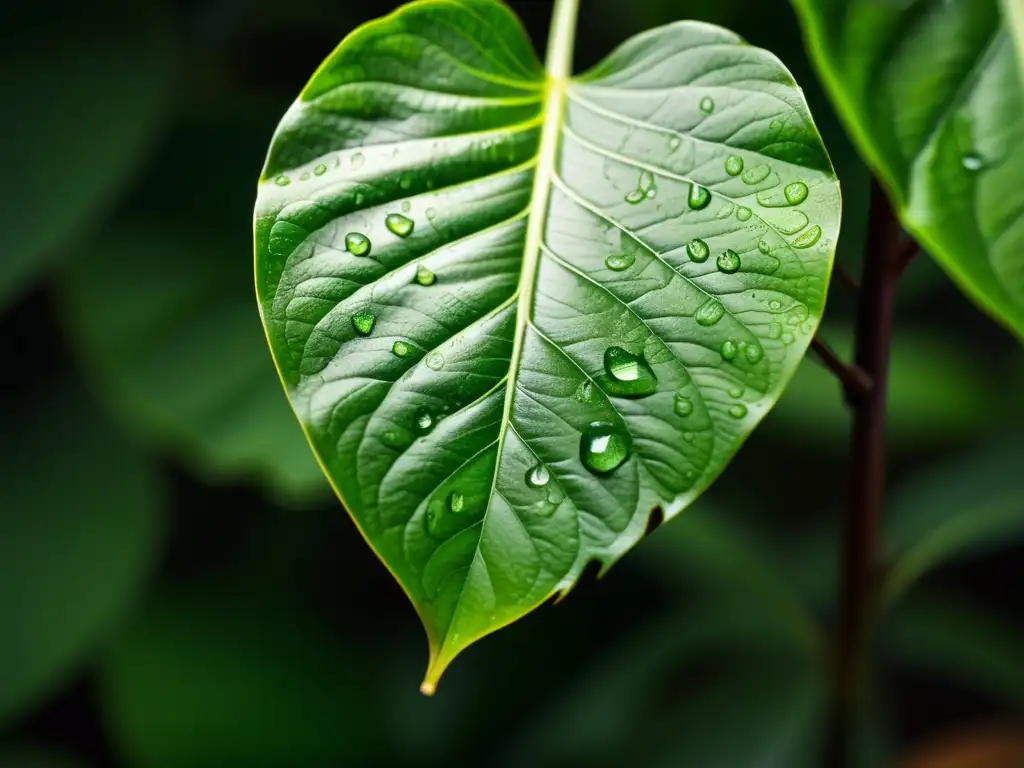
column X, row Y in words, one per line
column 29, row 756
column 231, row 677
column 81, row 527
column 932, row 96
column 516, row 314
column 960, row 509
column 160, row 314
column 89, row 97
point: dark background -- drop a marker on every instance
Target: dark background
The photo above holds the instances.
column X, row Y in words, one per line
column 179, row 588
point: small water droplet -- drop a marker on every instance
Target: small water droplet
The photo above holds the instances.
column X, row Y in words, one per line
column 397, row 439
column 282, row 181
column 455, row 502
column 793, row 222
column 320, row 170
column 363, row 322
column 743, row 213
column 431, row 214
column 682, row 405
column 435, row 361
column 538, row 476
column 775, row 125
column 304, row 176
column 406, row 206
column 795, row 193
column 763, row 247
column 618, row 262
column 808, row 238
column 757, row 174
column 738, row 411
column 729, row 261
column 698, row 251
column 699, row 197
column 972, row 162
column 636, row 196
column 357, row 244
column 403, row 349
column 646, row 180
column 674, row 143
column 689, row 437
column 405, row 181
column 774, row 305
column 754, row 352
column 787, row 338
column 360, row 198
column 729, row 350
column 734, row 165
column 584, row 392
column 358, row 159
column 604, row 447
column 424, row 420
column 736, row 391
column 709, row 313
column 628, row 375
column 424, row 276
column 797, row 315
column 652, row 193
column 707, row 105
column 774, row 330
column 399, row 225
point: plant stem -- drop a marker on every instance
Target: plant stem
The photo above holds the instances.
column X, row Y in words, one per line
column 884, row 261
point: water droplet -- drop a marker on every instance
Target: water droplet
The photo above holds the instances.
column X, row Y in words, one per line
column 808, row 238
column 682, row 405
column 435, row 361
column 757, row 174
column 698, row 251
column 729, row 350
column 734, row 165
column 743, row 213
column 774, row 330
column 797, row 315
column 699, row 198
column 628, row 375
column 738, row 411
column 794, row 221
column 358, row 160
column 636, row 196
column 646, row 180
column 320, row 170
column 729, row 261
column 972, row 162
column 424, row 276
column 399, row 225
column 787, row 338
column 455, row 502
column 424, row 420
column 774, row 305
column 689, row 436
column 674, row 143
column 405, row 181
column 433, row 519
column 652, row 193
column 406, row 206
column 357, row 244
column 754, row 352
column 584, row 392
column 617, row 262
column 763, row 247
column 431, row 214
column 736, row 391
column 304, row 176
column 775, row 125
column 403, row 349
column 363, row 322
column 709, row 313
column 795, row 193
column 604, row 447
column 538, row 477
column 360, row 198
column 282, row 181
column 707, row 105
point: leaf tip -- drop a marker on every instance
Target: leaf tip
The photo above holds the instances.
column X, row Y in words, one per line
column 427, row 688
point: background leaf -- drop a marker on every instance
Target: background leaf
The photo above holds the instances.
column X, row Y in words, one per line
column 25, row 756
column 80, row 531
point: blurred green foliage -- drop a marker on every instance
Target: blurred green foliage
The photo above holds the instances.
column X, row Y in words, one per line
column 178, row 589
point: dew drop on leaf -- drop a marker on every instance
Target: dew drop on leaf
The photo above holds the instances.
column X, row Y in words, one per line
column 282, row 181
column 682, row 405
column 424, row 276
column 808, row 238
column 787, row 338
column 774, row 330
column 584, row 392
column 629, row 375
column 617, row 262
column 972, row 162
column 729, row 261
column 774, row 305
column 405, row 181
column 604, row 447
column 709, row 313
column 455, row 502
column 754, row 352
column 357, row 244
column 358, row 159
column 403, row 349
column 743, row 213
column 757, row 174
column 736, row 391
column 320, row 169
column 698, row 251
column 674, row 143
column 734, row 165
column 424, row 420
column 636, row 196
column 797, row 315
column 399, row 225
column 699, row 197
column 763, row 247
column 363, row 322
column 795, row 193
column 738, row 411
column 538, row 476
column 435, row 361
column 431, row 214
column 707, row 105
column 729, row 350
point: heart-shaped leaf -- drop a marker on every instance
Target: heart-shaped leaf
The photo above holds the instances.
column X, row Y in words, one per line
column 516, row 313
column 932, row 96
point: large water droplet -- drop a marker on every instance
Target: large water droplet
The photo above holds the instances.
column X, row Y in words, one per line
column 435, row 361
column 282, row 181
column 604, row 447
column 424, row 420
column 709, row 313
column 584, row 392
column 363, row 322
column 628, row 375
column 320, row 169
column 743, row 213
column 538, row 476
column 636, row 196
column 734, row 165
column 424, row 276
column 972, row 162
column 808, row 238
column 699, row 197
column 455, row 502
column 729, row 350
column 757, row 174
column 738, row 411
column 618, row 262
column 403, row 349
column 357, row 244
column 754, row 352
column 698, row 251
column 736, row 391
column 729, row 261
column 682, row 405
column 707, row 105
column 795, row 193
column 399, row 225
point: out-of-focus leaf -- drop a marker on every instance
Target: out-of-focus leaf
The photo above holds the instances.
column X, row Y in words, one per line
column 29, row 756
column 955, row 510
column 942, row 635
column 221, row 678
column 1013, row 13
column 931, row 93
column 161, row 313
column 80, row 529
column 936, row 393
column 998, row 745
column 84, row 96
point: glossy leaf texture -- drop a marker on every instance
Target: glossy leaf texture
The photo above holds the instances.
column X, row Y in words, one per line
column 932, row 95
column 516, row 313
